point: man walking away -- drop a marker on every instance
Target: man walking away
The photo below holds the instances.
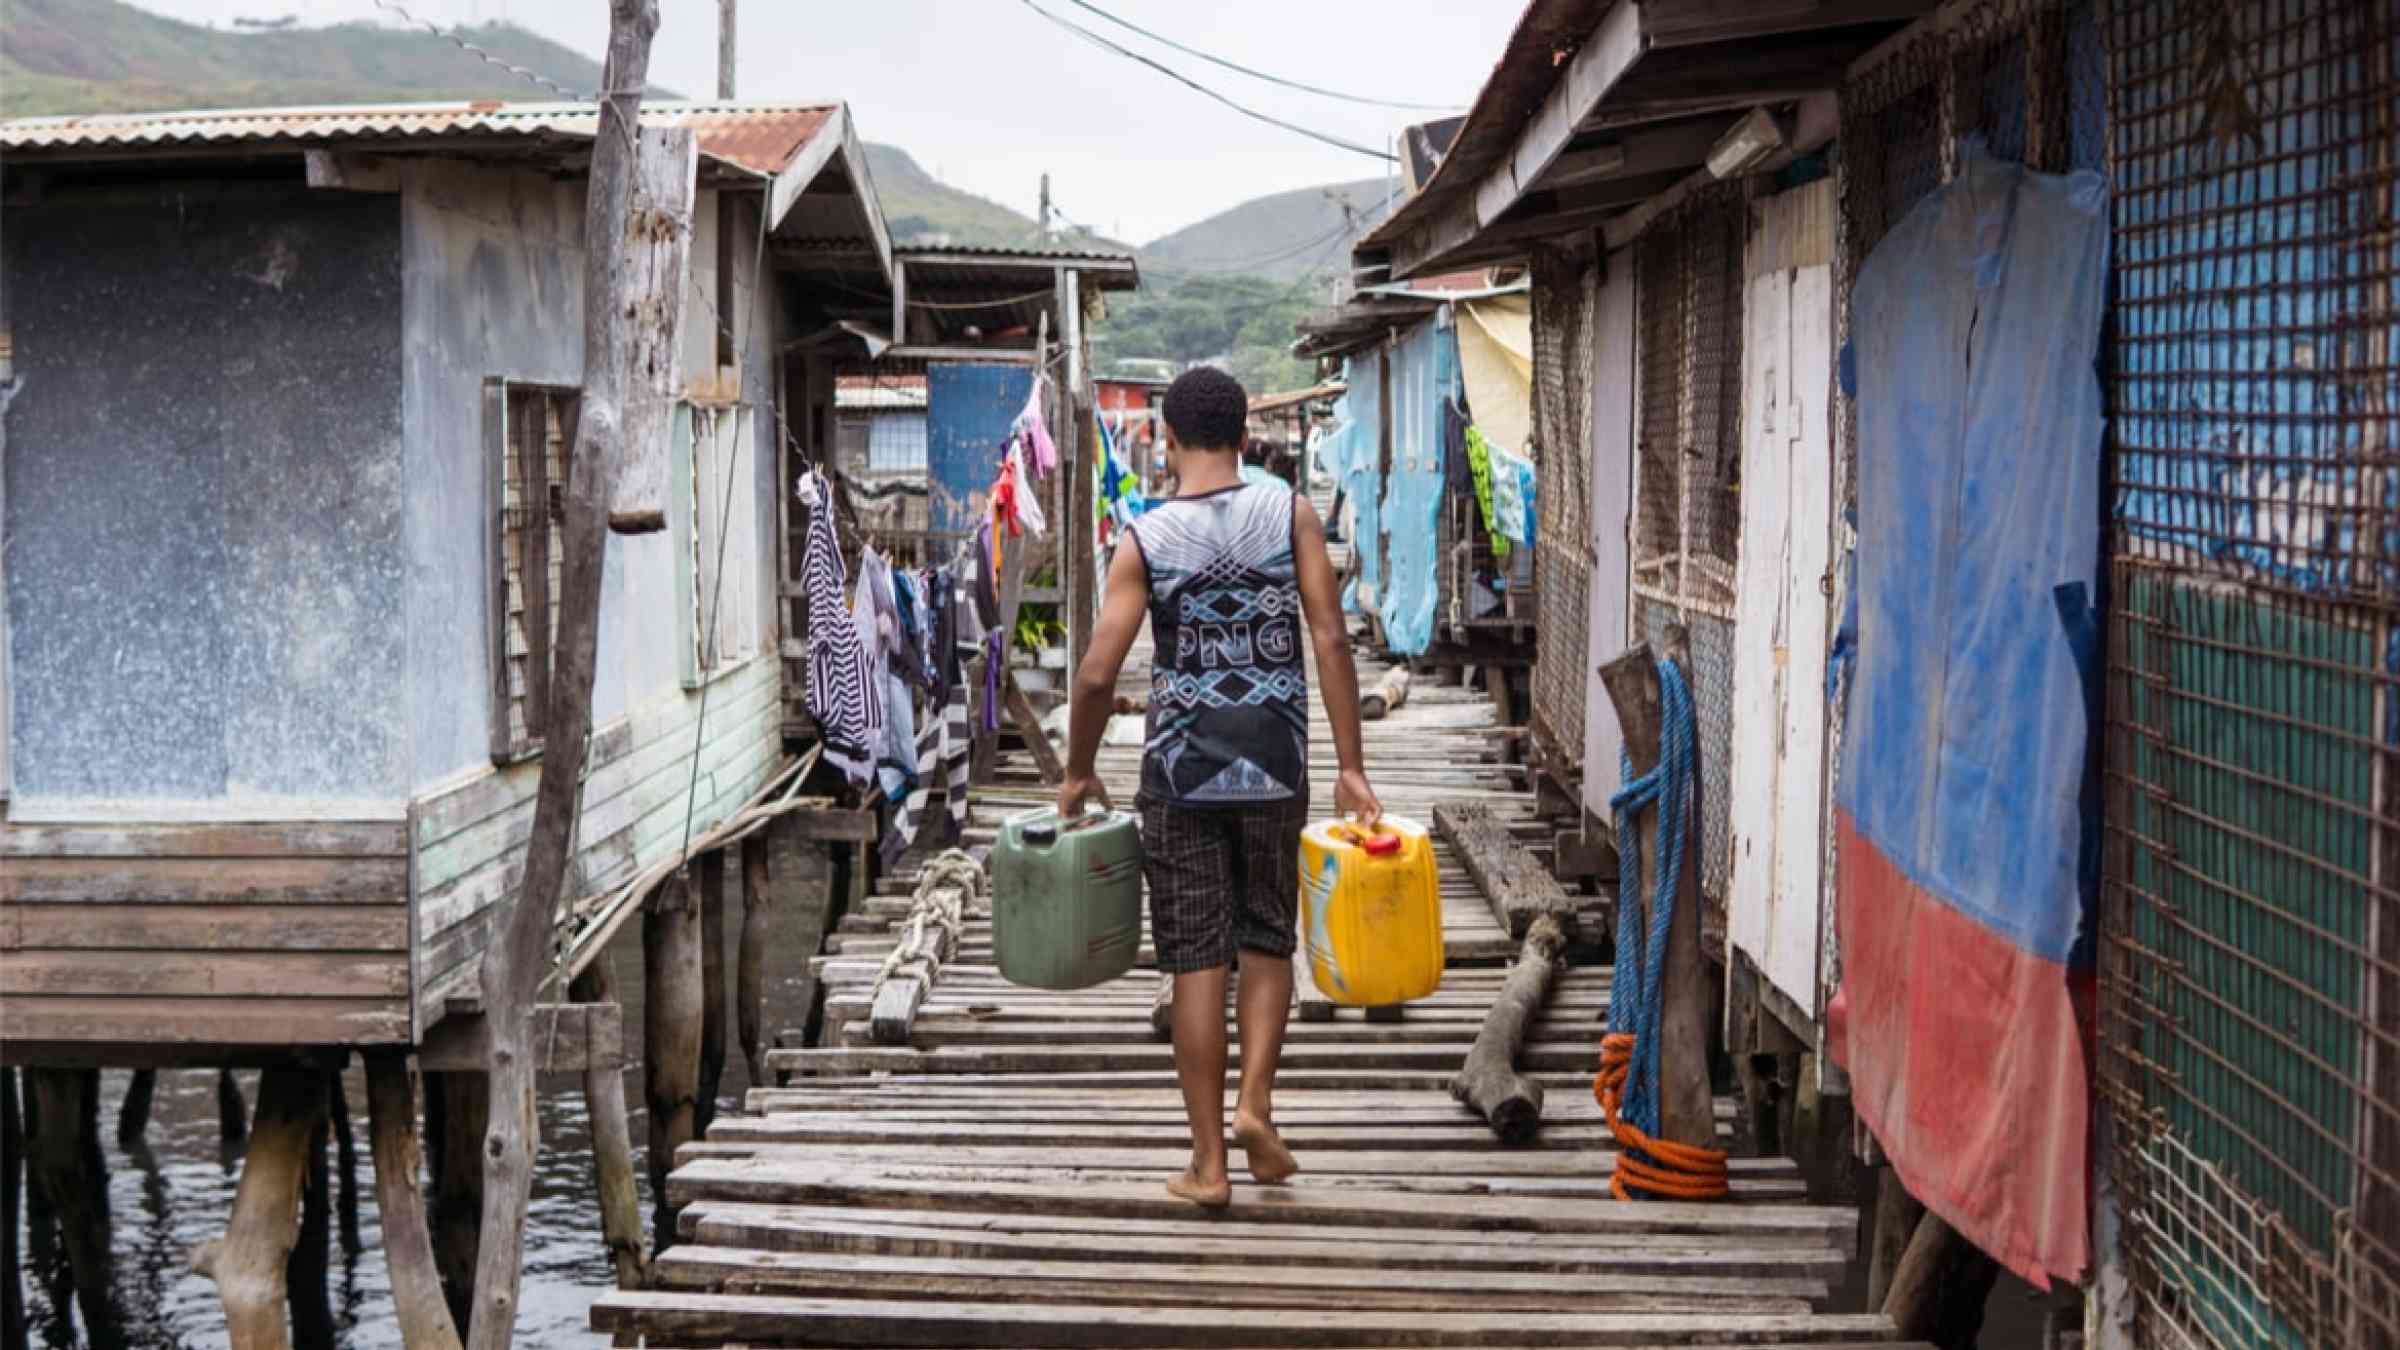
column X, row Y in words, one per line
column 1228, row 571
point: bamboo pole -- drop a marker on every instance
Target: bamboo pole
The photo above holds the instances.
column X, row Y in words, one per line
column 417, row 1302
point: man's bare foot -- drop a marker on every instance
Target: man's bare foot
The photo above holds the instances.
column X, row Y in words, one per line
column 1207, row 1194
column 1270, row 1161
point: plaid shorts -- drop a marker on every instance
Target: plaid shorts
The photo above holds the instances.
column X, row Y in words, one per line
column 1222, row 880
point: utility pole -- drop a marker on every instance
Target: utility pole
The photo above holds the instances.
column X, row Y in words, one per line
column 1045, row 221
column 725, row 49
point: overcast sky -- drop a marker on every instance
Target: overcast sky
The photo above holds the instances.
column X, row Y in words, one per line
column 988, row 94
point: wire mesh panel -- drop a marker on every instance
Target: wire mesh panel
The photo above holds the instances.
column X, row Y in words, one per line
column 2250, row 966
column 1565, row 284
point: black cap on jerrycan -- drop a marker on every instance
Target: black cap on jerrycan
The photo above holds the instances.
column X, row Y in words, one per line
column 1040, row 834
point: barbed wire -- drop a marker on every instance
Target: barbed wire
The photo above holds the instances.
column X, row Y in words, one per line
column 480, row 54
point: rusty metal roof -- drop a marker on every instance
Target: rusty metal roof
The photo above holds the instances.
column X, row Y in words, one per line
column 760, row 137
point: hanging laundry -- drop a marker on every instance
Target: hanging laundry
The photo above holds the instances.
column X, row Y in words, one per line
column 841, row 695
column 1032, row 433
column 1512, row 494
column 943, row 747
column 1479, row 468
column 875, row 608
column 1458, row 469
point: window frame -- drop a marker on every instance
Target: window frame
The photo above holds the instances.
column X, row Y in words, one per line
column 692, row 537
column 506, row 445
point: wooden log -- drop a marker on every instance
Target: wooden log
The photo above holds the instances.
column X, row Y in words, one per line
column 418, row 1305
column 1385, row 696
column 345, row 1141
column 12, row 1197
column 711, row 876
column 1514, row 882
column 233, row 1118
column 670, row 1033
column 612, row 1144
column 249, row 1262
column 1894, row 1222
column 1510, row 1102
column 133, row 1115
column 307, row 1268
column 458, row 1107
column 928, row 940
column 1686, row 1113
column 637, row 221
column 750, row 964
column 1940, row 1286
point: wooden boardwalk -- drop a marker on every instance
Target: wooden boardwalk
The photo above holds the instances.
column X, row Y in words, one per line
column 1000, row 1181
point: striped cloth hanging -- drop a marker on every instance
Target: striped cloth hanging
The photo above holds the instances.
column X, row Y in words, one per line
column 841, row 696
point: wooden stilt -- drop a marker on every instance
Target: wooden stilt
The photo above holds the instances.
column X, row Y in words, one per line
column 133, row 1117
column 1940, row 1286
column 306, row 1270
column 1895, row 1222
column 345, row 1143
column 233, row 1119
column 249, row 1262
column 612, row 1144
column 12, row 1194
column 710, row 868
column 70, row 1171
column 750, row 981
column 671, row 1012
column 458, row 1108
column 417, row 1301
column 1686, row 1114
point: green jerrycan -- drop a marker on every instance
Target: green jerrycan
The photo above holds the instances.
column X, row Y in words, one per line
column 1066, row 898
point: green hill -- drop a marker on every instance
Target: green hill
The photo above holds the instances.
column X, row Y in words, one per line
column 1283, row 236
column 68, row 56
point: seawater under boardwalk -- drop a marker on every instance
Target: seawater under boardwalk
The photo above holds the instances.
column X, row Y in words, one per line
column 999, row 1180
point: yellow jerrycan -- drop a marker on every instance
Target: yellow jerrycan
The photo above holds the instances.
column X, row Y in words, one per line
column 1373, row 911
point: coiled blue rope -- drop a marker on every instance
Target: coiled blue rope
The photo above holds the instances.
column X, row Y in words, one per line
column 1636, row 997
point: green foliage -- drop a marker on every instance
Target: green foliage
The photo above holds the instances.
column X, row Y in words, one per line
column 1242, row 322
column 1038, row 627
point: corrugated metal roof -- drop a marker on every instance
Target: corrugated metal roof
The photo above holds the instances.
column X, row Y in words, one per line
column 761, row 137
column 1266, row 403
column 915, row 252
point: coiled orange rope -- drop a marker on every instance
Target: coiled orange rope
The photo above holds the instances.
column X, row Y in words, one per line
column 1658, row 1167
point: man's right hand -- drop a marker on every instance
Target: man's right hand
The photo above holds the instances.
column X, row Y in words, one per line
column 1352, row 797
column 1079, row 788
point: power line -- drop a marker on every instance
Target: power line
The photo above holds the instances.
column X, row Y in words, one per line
column 1187, row 81
column 1258, row 74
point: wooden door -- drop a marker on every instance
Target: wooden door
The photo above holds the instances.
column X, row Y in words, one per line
column 1781, row 623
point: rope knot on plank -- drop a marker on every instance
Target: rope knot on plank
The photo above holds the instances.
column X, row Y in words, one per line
column 936, row 918
column 1627, row 1085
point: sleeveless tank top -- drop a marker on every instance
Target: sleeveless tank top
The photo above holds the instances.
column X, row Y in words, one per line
column 1228, row 723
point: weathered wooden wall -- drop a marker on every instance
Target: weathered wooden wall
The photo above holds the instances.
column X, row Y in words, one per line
column 470, row 840
column 151, row 936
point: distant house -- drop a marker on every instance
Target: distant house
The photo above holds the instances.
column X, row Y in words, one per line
column 298, row 391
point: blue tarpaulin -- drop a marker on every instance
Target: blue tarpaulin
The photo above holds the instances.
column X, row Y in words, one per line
column 1424, row 375
column 1961, row 810
column 1361, row 411
column 969, row 409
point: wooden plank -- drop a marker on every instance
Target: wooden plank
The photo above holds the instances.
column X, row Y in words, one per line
column 198, row 928
column 1453, row 1164
column 1519, row 888
column 1253, row 1244
column 349, row 839
column 1029, row 728
column 564, row 1037
column 283, row 1022
column 677, row 1316
column 757, row 1180
column 1069, row 1059
column 820, row 1274
column 190, row 974
column 252, row 881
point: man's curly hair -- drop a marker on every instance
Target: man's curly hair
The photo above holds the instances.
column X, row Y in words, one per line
column 1207, row 410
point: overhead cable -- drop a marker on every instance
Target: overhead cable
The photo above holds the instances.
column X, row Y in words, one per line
column 1186, row 80
column 1259, row 74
